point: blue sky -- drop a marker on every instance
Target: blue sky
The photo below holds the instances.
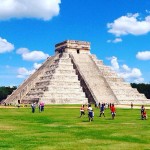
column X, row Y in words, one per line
column 118, row 30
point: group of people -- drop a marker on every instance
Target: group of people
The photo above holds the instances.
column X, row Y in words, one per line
column 112, row 108
column 102, row 109
column 41, row 107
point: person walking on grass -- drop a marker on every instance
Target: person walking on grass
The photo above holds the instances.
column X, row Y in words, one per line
column 113, row 111
column 142, row 110
column 102, row 109
column 40, row 106
column 143, row 113
column 82, row 111
column 33, row 105
column 90, row 113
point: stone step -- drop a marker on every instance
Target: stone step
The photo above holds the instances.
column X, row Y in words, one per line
column 65, row 77
column 64, row 64
column 66, row 101
column 65, row 91
column 72, row 86
column 64, row 80
column 66, row 83
column 58, row 93
column 134, row 102
column 123, row 97
column 44, row 87
column 64, row 67
column 59, row 78
column 65, row 71
column 125, row 90
column 63, row 95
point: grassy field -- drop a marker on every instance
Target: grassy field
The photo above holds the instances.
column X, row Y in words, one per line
column 60, row 128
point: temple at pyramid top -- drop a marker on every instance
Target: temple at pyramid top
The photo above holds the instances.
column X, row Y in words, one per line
column 72, row 46
column 75, row 76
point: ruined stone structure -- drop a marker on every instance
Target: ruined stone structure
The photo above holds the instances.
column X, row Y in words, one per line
column 74, row 76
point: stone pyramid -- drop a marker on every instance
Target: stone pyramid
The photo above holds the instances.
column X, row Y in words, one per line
column 75, row 76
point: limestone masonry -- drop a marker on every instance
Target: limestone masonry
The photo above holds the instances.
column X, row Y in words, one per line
column 75, row 76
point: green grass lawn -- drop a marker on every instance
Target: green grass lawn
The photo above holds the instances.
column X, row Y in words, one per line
column 59, row 127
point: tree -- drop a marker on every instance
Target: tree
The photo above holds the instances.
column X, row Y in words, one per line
column 142, row 88
column 5, row 91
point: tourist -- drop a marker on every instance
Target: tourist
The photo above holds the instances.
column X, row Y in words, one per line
column 110, row 105
column 42, row 106
column 33, row 105
column 143, row 113
column 82, row 110
column 99, row 105
column 90, row 113
column 102, row 108
column 131, row 105
column 113, row 111
column 106, row 105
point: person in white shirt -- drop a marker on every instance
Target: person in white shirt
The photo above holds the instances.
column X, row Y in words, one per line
column 90, row 113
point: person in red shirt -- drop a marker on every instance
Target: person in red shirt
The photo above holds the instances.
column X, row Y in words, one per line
column 145, row 114
column 82, row 111
column 142, row 112
column 113, row 111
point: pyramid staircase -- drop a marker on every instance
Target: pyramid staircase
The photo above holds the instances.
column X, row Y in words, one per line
column 96, row 82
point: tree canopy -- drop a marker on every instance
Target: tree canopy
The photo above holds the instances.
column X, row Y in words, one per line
column 5, row 91
column 142, row 88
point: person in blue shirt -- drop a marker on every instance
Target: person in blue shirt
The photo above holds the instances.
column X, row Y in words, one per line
column 102, row 109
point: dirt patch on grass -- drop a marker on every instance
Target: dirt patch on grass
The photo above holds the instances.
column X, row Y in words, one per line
column 7, row 127
column 128, row 123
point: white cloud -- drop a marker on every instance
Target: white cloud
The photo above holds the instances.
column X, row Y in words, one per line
column 5, row 46
column 22, row 50
column 116, row 40
column 129, row 24
column 23, row 72
column 132, row 73
column 114, row 63
column 139, row 80
column 129, row 74
column 145, row 55
column 34, row 56
column 36, row 65
column 20, row 76
column 125, row 67
column 40, row 9
column 31, row 56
